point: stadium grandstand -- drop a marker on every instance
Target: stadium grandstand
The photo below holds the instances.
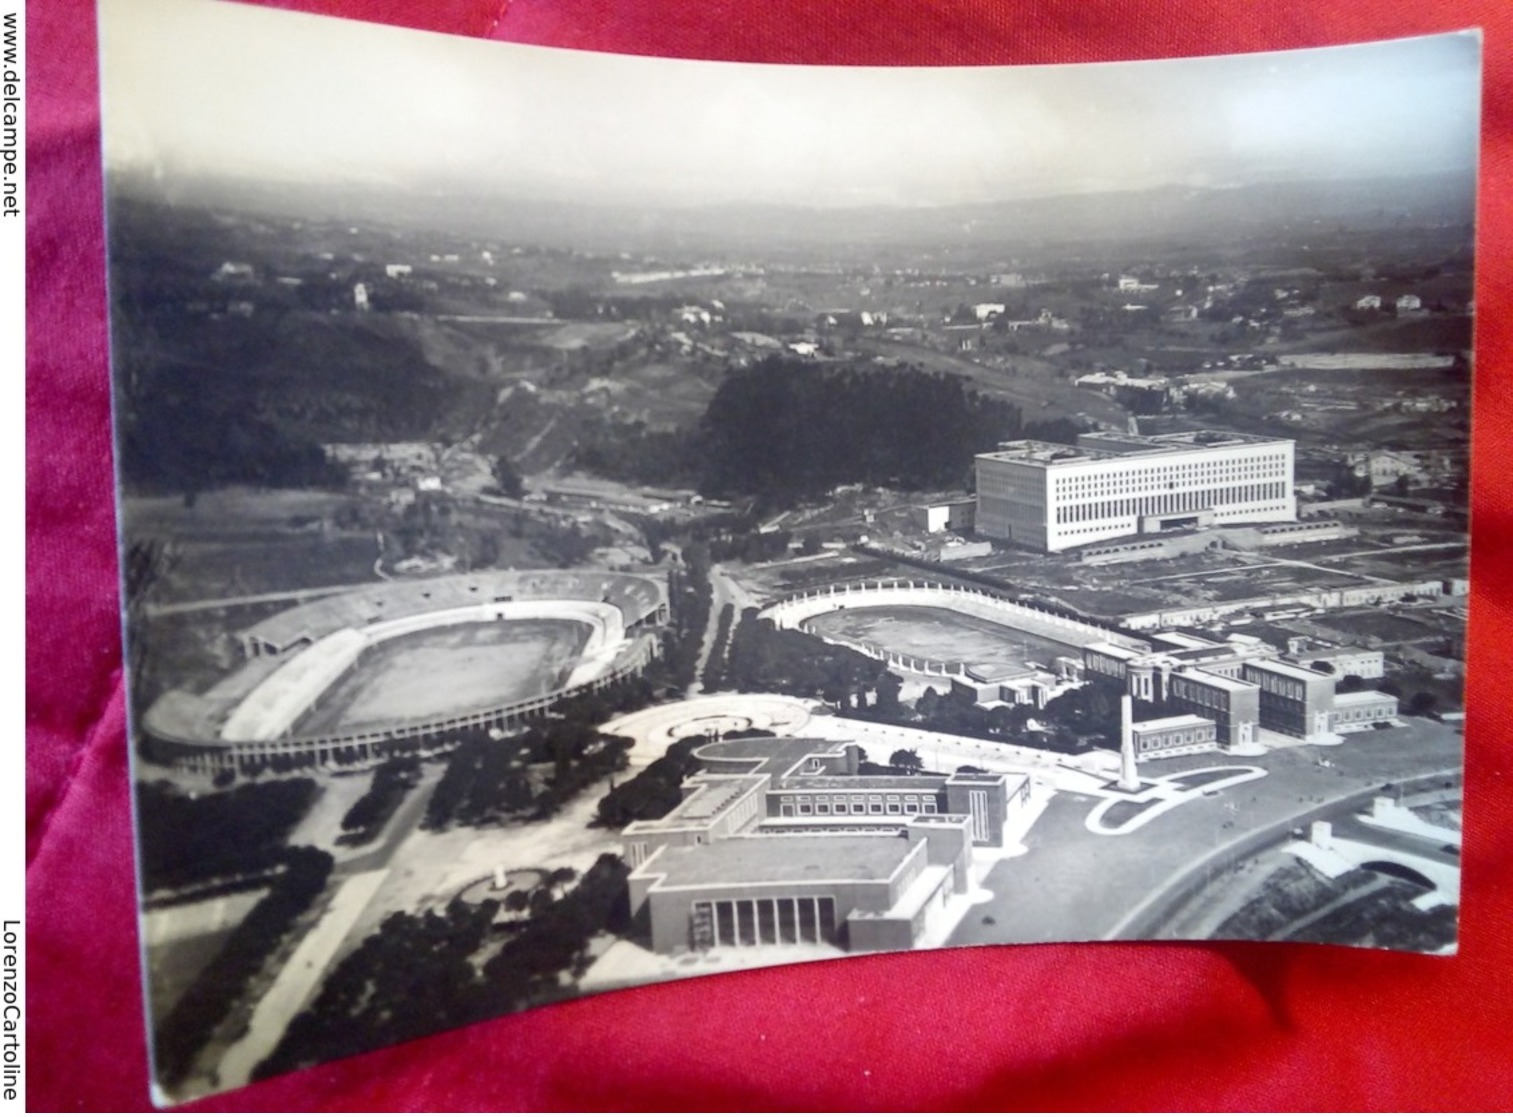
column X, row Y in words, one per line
column 292, row 660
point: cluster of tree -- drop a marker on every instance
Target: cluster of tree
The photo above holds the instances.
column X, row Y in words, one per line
column 782, row 431
column 203, row 402
column 184, row 444
column 488, row 781
column 1348, row 684
column 393, row 780
column 950, row 713
column 417, row 974
column 1344, row 483
column 906, row 761
column 529, row 967
column 411, row 977
column 653, row 791
column 1087, row 716
column 191, row 839
column 534, row 901
column 1072, row 727
column 765, row 658
column 184, row 1031
column 507, row 479
column 629, row 450
column 691, row 597
column 714, row 669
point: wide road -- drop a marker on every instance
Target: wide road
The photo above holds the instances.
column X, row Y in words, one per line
column 722, row 592
column 296, row 980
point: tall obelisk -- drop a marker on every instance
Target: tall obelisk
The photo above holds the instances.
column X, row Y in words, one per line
column 1129, row 779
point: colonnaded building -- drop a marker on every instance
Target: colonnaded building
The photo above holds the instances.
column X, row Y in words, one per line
column 785, row 841
column 1051, row 497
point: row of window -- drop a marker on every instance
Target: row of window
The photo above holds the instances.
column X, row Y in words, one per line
column 1367, row 713
column 790, row 805
column 1177, row 737
column 1275, row 684
column 1162, row 504
column 773, row 921
column 1125, row 478
column 1200, row 695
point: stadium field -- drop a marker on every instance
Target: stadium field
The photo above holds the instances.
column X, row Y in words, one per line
column 934, row 633
column 451, row 669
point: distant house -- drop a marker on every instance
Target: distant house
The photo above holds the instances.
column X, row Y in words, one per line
column 231, row 272
column 1386, row 466
column 947, row 515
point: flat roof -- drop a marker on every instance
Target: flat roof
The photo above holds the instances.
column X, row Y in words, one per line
column 1180, row 721
column 1179, row 440
column 873, row 782
column 1033, row 452
column 1111, row 446
column 998, row 672
column 780, row 859
column 1219, row 682
column 1118, row 651
column 773, row 755
column 1361, row 698
column 711, row 796
column 1291, row 670
column 1184, row 640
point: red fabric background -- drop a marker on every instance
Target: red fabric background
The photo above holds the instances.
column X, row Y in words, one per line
column 1100, row 1026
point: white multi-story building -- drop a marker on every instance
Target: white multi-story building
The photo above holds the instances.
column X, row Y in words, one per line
column 1051, row 497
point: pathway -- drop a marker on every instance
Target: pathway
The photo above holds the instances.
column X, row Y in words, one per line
column 296, row 981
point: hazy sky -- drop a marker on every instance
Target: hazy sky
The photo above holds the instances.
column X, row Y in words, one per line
column 204, row 87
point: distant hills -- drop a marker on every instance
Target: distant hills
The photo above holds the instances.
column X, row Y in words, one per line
column 1194, row 216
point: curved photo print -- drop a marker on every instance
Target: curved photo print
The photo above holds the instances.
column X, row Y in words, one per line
column 592, row 520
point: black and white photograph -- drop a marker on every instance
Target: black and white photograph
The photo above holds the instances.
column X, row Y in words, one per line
column 590, row 520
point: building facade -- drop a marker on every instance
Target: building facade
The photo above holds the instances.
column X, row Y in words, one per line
column 1293, row 700
column 1174, row 736
column 1241, row 687
column 1362, row 709
column 781, row 841
column 1051, row 497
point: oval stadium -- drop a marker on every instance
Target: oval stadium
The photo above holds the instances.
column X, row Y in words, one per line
column 986, row 642
column 402, row 666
